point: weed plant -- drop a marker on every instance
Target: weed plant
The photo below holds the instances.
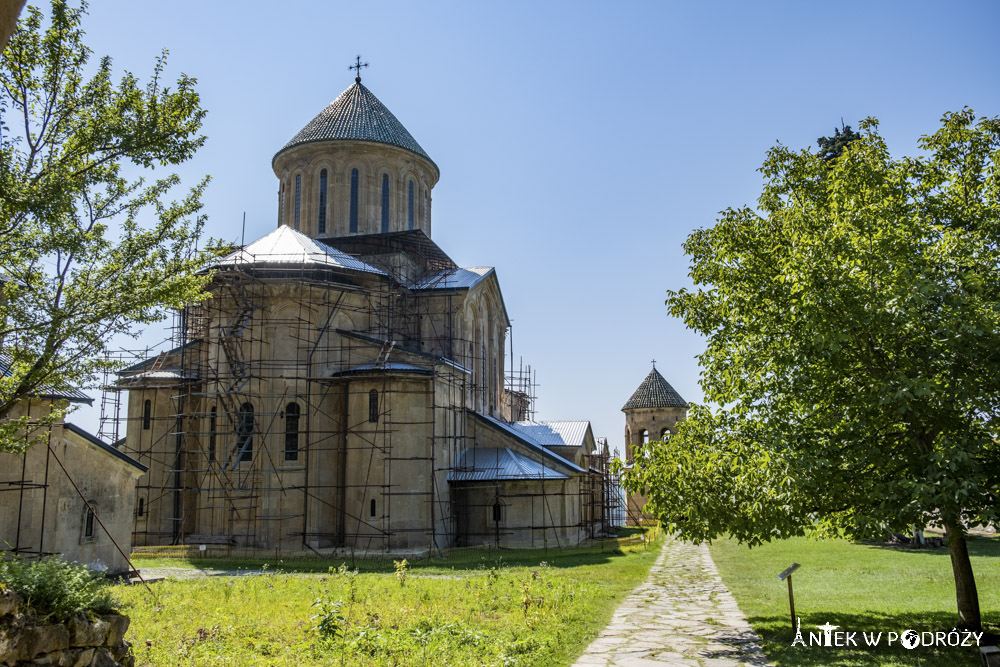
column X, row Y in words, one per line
column 54, row 588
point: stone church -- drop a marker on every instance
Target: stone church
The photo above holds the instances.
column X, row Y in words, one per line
column 344, row 386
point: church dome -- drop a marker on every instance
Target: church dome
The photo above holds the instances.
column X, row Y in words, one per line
column 655, row 392
column 357, row 115
column 354, row 170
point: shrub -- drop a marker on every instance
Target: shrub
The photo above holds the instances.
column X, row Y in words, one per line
column 53, row 587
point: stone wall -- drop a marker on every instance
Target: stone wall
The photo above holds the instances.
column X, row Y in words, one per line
column 79, row 642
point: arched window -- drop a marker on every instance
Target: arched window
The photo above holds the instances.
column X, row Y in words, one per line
column 664, row 434
column 409, row 207
column 385, row 203
column 88, row 524
column 322, row 202
column 298, row 198
column 292, row 432
column 644, row 436
column 373, row 406
column 427, row 209
column 142, row 507
column 497, row 511
column 244, row 433
column 371, row 509
column 354, row 200
column 147, row 414
column 212, row 424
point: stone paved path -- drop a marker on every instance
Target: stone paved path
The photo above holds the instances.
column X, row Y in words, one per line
column 681, row 615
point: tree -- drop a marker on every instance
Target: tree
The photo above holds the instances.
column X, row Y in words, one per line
column 830, row 148
column 853, row 338
column 88, row 249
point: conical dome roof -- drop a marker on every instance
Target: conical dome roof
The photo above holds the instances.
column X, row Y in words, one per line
column 655, row 392
column 357, row 114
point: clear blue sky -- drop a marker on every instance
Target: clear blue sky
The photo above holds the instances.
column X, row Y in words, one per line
column 579, row 142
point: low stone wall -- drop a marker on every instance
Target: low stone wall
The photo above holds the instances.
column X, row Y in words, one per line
column 79, row 642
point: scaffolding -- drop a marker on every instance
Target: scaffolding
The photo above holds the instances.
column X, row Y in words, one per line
column 318, row 409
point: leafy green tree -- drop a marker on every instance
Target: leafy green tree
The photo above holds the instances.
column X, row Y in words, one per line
column 853, row 338
column 88, row 248
column 830, row 148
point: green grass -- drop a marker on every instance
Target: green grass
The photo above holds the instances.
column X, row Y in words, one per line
column 470, row 609
column 859, row 588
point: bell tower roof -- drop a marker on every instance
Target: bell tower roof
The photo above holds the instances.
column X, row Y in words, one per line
column 357, row 115
column 655, row 392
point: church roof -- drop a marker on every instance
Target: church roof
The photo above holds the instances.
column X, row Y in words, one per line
column 357, row 114
column 488, row 464
column 655, row 392
column 453, row 278
column 556, row 433
column 45, row 390
column 289, row 248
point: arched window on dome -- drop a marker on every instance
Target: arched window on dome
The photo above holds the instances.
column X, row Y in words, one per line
column 354, row 201
column 385, row 203
column 281, row 204
column 409, row 207
column 427, row 209
column 322, row 202
column 298, row 198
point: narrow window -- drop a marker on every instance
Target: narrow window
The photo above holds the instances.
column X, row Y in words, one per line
column 211, row 432
column 281, row 204
column 244, row 433
column 409, row 207
column 373, row 406
column 147, row 414
column 322, row 202
column 372, row 507
column 427, row 209
column 354, row 200
column 497, row 512
column 644, row 436
column 142, row 507
column 385, row 203
column 664, row 433
column 88, row 528
column 292, row 432
column 298, row 198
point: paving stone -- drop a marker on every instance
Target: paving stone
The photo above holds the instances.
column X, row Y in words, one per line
column 681, row 616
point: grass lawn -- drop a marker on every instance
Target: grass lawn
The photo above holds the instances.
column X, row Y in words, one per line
column 860, row 588
column 470, row 609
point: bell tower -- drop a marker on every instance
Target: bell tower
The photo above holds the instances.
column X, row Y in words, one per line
column 652, row 413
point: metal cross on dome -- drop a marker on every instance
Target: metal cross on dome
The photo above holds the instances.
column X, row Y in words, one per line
column 654, row 363
column 357, row 66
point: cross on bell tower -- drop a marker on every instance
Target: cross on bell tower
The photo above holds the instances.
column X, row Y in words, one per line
column 357, row 67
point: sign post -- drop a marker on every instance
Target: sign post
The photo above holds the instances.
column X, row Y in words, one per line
column 787, row 576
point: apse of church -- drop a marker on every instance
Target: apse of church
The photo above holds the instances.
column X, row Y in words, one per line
column 344, row 386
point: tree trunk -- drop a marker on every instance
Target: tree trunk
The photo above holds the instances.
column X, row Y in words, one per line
column 965, row 582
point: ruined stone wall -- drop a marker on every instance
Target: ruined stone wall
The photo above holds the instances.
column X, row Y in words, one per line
column 80, row 641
